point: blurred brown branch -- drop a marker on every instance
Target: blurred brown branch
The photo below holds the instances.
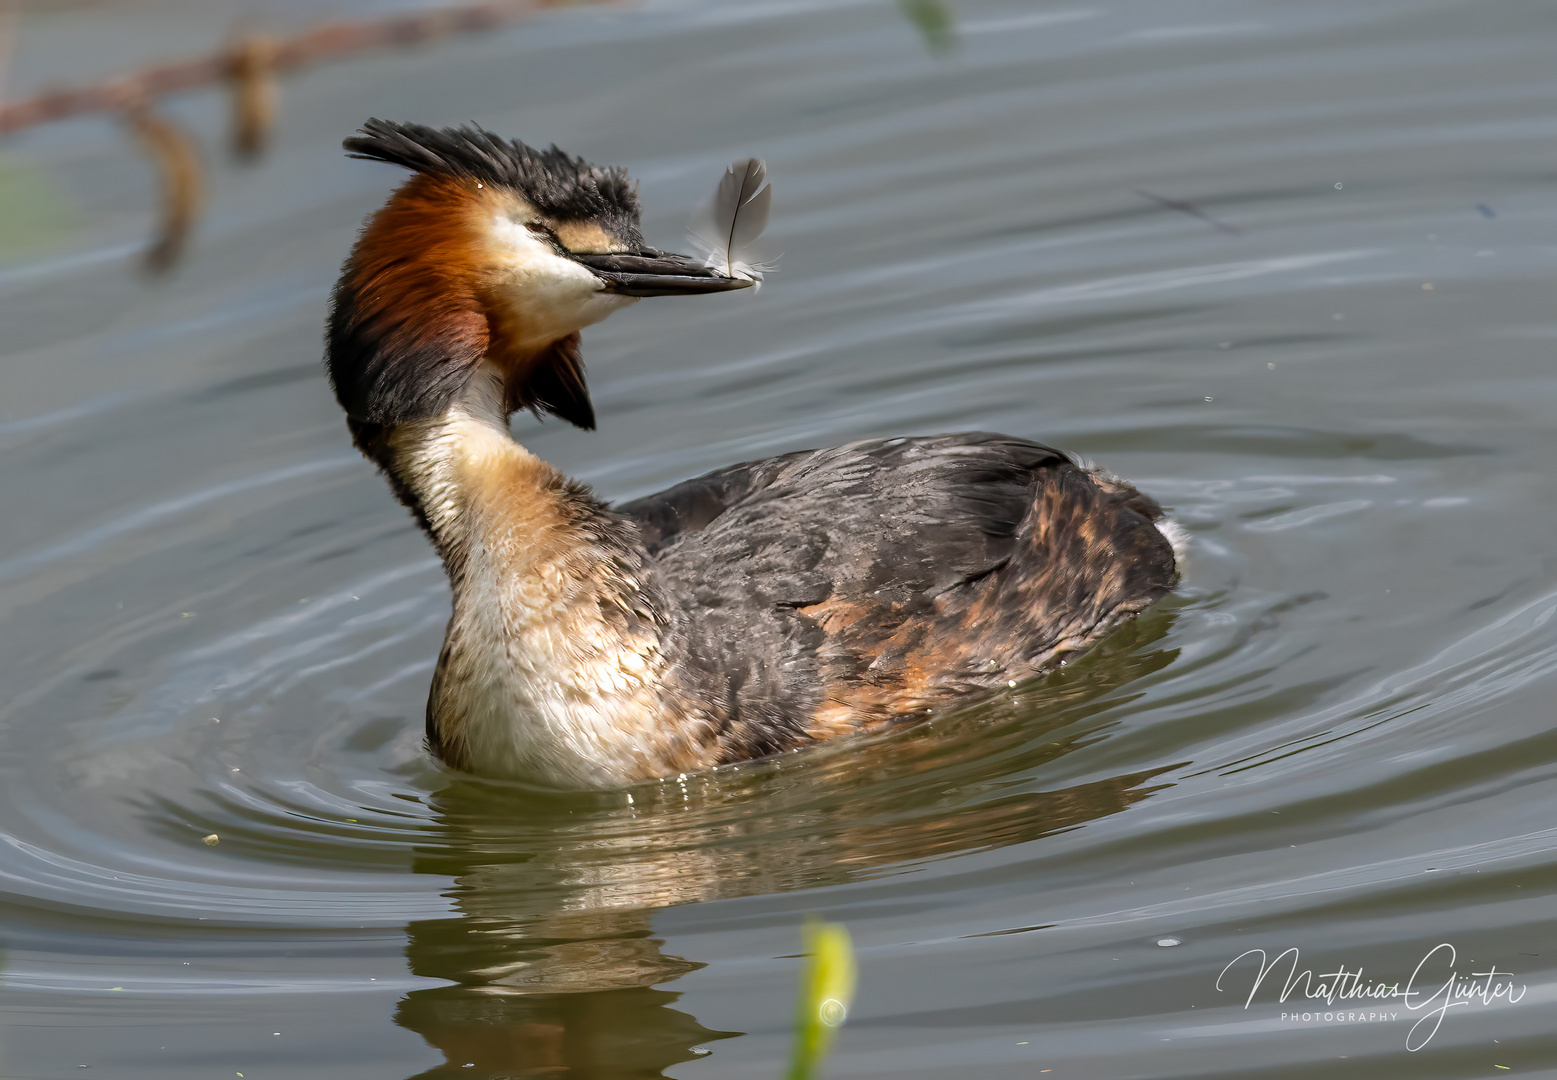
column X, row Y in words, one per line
column 286, row 55
column 253, row 74
column 249, row 67
column 183, row 182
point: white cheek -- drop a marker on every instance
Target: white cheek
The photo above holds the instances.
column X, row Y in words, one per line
column 550, row 296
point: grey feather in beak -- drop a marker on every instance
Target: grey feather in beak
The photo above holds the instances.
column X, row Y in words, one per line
column 727, row 227
column 658, row 273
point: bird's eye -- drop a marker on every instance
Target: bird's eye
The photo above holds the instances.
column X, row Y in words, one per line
column 544, row 231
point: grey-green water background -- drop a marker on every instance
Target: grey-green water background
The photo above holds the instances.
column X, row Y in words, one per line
column 1338, row 737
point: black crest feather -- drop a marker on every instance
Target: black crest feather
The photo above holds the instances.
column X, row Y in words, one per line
column 555, row 383
column 554, row 182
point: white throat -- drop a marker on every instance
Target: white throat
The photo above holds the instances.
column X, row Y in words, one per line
column 544, row 295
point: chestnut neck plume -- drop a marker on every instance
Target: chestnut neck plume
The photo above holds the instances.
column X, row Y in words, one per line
column 753, row 610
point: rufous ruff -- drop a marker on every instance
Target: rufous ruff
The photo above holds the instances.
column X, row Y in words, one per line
column 753, row 610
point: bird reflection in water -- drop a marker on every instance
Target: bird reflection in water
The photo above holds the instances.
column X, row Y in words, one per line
column 552, row 968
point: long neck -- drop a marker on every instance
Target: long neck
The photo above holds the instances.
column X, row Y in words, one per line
column 555, row 662
column 461, row 470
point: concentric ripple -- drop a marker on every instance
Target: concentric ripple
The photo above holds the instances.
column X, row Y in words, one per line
column 1288, row 268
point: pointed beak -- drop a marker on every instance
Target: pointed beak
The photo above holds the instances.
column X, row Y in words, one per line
column 658, row 273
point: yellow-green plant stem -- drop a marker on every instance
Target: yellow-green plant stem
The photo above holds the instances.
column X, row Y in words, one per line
column 826, row 988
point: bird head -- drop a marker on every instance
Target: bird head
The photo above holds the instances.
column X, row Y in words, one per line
column 493, row 251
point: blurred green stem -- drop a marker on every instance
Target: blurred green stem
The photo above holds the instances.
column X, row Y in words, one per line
column 934, row 21
column 826, row 988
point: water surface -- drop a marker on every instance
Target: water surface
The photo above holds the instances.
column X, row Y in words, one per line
column 1337, row 736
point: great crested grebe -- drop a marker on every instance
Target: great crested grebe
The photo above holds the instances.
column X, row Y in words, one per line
column 752, row 610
